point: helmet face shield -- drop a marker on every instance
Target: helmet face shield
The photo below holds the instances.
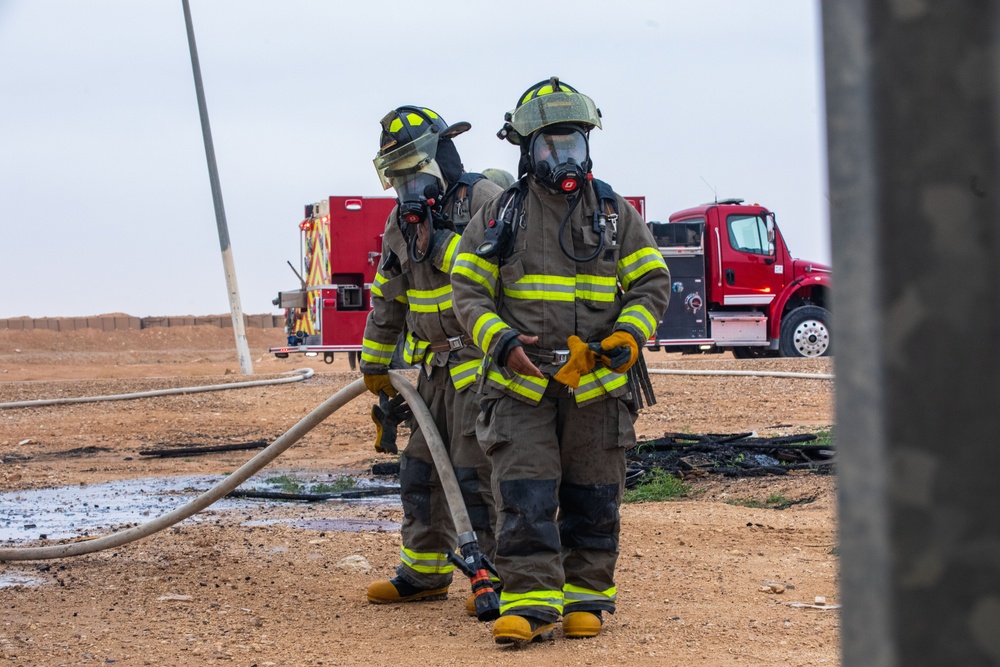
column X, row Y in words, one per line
column 411, row 158
column 557, row 107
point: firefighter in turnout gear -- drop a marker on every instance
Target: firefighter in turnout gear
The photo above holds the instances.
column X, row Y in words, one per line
column 555, row 264
column 411, row 295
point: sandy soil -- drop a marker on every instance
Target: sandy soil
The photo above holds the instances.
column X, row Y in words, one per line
column 698, row 582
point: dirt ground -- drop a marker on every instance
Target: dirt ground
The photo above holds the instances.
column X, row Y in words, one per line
column 705, row 580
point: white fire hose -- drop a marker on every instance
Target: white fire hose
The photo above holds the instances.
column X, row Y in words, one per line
column 774, row 374
column 300, row 374
column 442, row 462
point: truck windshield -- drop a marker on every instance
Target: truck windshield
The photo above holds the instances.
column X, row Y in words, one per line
column 748, row 233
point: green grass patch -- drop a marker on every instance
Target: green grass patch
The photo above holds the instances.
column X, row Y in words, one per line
column 290, row 484
column 657, row 486
column 824, row 437
column 286, row 483
column 341, row 483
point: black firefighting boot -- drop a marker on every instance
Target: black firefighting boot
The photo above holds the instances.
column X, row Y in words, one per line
column 387, row 591
column 582, row 624
column 511, row 629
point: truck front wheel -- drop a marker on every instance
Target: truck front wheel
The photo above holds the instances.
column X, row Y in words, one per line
column 806, row 333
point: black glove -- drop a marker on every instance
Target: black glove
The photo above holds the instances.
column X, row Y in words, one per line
column 387, row 415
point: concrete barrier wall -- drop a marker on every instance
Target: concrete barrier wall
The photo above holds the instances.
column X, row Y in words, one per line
column 121, row 322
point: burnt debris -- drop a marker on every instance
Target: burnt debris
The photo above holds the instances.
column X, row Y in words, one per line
column 690, row 455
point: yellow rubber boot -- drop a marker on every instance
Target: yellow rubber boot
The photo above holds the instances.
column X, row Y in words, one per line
column 581, row 624
column 470, row 604
column 388, row 591
column 511, row 629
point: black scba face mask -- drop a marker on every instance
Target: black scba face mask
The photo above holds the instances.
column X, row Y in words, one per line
column 560, row 158
column 416, row 195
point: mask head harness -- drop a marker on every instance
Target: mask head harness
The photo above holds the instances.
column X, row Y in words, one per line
column 418, row 159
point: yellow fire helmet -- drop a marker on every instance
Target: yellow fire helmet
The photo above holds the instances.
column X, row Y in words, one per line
column 547, row 103
column 409, row 142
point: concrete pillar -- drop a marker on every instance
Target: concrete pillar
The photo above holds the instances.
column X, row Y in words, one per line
column 912, row 115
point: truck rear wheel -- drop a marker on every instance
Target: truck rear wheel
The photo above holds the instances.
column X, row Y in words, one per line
column 806, row 333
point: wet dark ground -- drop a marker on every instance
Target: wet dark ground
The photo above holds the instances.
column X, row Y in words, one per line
column 81, row 511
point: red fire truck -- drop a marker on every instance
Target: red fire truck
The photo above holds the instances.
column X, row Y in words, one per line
column 734, row 284
column 341, row 242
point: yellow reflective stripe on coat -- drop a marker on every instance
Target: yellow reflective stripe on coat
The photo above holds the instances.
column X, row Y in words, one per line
column 598, row 383
column 377, row 287
column 539, row 287
column 462, row 375
column 550, row 599
column 573, row 594
column 449, row 254
column 485, row 328
column 414, row 349
column 596, row 288
column 377, row 284
column 524, row 385
column 430, row 300
column 477, row 270
column 376, row 353
column 639, row 317
column 427, row 562
column 638, row 264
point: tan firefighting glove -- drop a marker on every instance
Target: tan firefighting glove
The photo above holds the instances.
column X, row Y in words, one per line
column 380, row 382
column 619, row 339
column 581, row 361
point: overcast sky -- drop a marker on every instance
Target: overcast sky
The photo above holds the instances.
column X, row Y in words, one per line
column 105, row 202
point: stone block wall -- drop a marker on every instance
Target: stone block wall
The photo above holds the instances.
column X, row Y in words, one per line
column 120, row 322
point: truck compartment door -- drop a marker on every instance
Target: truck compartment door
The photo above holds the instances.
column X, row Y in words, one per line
column 681, row 244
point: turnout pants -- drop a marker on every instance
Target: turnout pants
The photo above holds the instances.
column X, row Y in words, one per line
column 558, row 478
column 428, row 530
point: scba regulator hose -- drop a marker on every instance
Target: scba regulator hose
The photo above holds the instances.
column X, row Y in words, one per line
column 420, row 412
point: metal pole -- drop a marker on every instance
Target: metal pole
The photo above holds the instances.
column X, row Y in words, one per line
column 913, row 123
column 862, row 448
column 242, row 348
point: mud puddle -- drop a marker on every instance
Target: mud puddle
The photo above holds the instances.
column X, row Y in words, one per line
column 8, row 579
column 99, row 509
